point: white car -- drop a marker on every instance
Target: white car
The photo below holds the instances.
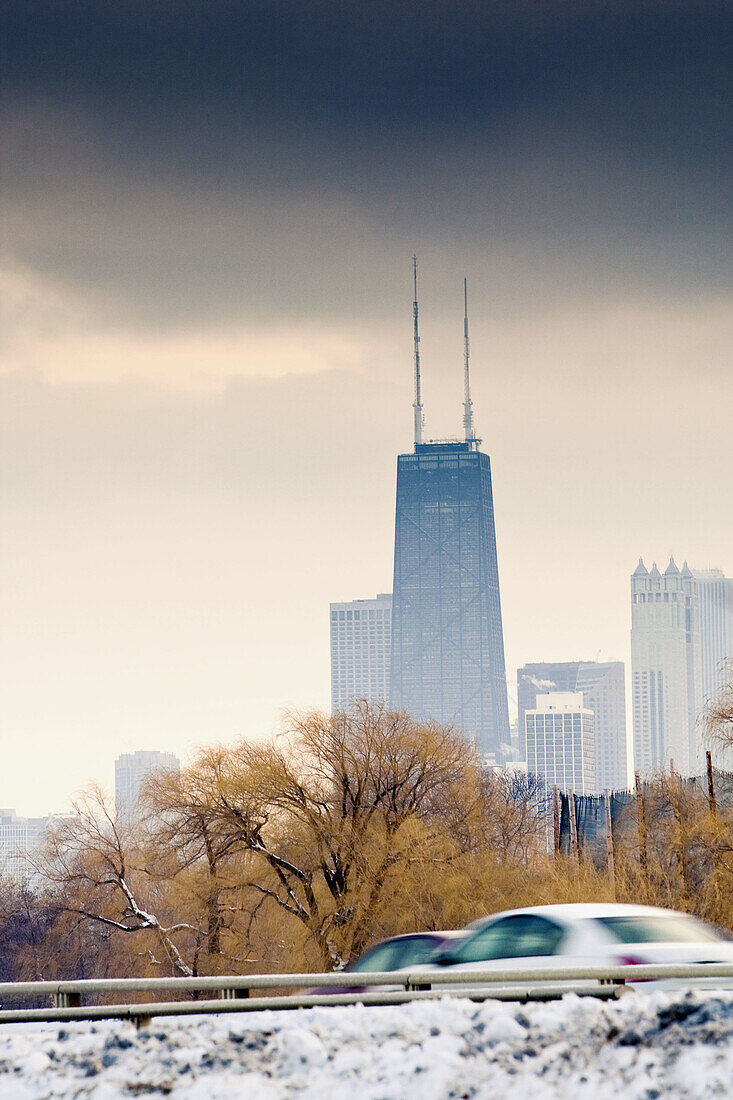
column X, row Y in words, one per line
column 603, row 934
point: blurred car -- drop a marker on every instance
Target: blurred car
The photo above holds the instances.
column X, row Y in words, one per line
column 396, row 953
column 584, row 934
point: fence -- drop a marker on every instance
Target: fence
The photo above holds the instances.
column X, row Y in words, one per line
column 233, row 991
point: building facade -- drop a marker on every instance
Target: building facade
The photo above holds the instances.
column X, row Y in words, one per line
column 21, row 839
column 603, row 687
column 715, row 610
column 13, row 845
column 361, row 639
column 665, row 668
column 560, row 738
column 447, row 659
column 131, row 771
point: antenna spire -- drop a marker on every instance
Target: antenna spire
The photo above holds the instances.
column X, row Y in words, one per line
column 417, row 405
column 467, row 403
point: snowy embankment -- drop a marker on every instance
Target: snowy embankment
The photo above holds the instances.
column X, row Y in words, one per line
column 643, row 1046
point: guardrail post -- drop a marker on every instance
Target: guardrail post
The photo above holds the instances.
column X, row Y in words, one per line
column 67, row 1000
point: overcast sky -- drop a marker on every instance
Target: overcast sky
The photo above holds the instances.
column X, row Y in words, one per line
column 209, row 215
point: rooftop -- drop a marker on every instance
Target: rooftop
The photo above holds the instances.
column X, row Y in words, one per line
column 447, row 446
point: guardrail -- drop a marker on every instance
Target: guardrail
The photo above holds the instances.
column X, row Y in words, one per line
column 234, row 991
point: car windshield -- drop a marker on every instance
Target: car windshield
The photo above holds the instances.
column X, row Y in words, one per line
column 394, row 954
column 382, row 957
column 659, row 929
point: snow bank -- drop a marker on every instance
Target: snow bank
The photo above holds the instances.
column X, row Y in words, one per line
column 642, row 1047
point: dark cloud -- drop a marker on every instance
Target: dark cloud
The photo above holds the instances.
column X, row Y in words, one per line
column 656, row 71
column 188, row 158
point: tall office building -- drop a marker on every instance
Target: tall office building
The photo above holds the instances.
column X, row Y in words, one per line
column 665, row 668
column 560, row 737
column 131, row 771
column 715, row 609
column 361, row 636
column 604, row 692
column 21, row 839
column 447, row 643
column 13, row 846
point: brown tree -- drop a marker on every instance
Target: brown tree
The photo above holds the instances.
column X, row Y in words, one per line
column 332, row 811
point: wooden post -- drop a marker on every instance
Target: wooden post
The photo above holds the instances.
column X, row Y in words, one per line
column 676, row 794
column 573, row 826
column 641, row 822
column 610, row 864
column 556, row 818
column 711, row 786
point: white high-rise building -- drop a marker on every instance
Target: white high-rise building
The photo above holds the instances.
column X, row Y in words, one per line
column 665, row 668
column 561, row 742
column 604, row 692
column 13, row 845
column 361, row 638
column 131, row 770
column 715, row 607
column 21, row 839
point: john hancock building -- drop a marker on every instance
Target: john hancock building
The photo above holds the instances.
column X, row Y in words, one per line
column 447, row 642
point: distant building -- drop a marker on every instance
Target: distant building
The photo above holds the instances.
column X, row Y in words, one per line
column 361, row 637
column 21, row 838
column 447, row 642
column 715, row 609
column 665, row 668
column 561, row 742
column 131, row 771
column 604, row 692
column 13, row 845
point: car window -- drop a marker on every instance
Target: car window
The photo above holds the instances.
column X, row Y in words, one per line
column 416, row 950
column 382, row 957
column 659, row 929
column 512, row 938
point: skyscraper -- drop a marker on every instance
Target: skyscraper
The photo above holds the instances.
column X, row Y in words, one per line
column 361, row 637
column 665, row 667
column 21, row 840
column 131, row 771
column 715, row 607
column 604, row 692
column 447, row 642
column 561, row 741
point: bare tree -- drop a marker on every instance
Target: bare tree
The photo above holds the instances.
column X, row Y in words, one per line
column 100, row 873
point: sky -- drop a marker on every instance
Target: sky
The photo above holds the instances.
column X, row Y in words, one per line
column 209, row 213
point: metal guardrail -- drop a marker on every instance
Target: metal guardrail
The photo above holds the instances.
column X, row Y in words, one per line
column 517, row 984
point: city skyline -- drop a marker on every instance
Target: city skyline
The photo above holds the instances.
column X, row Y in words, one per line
column 208, row 223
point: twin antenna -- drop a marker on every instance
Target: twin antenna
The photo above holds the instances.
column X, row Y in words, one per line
column 467, row 403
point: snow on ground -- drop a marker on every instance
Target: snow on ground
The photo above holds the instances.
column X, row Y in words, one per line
column 639, row 1048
